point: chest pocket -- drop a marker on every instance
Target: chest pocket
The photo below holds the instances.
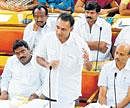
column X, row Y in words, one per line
column 124, row 82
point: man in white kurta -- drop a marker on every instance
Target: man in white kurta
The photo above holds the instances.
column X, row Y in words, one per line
column 123, row 37
column 37, row 29
column 91, row 27
column 66, row 73
column 21, row 76
column 120, row 66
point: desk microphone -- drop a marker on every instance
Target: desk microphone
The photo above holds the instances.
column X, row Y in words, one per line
column 26, row 20
column 50, row 68
column 47, row 98
column 115, row 75
column 99, row 39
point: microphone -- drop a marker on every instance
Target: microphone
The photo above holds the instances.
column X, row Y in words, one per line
column 115, row 75
column 46, row 98
column 99, row 39
column 50, row 68
column 26, row 20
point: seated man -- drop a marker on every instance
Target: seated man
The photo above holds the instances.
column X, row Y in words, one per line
column 124, row 7
column 17, row 5
column 114, row 80
column 95, row 31
column 59, row 5
column 21, row 77
column 38, row 28
column 123, row 37
column 105, row 4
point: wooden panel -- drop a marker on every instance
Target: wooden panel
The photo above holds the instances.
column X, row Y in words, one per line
column 89, row 83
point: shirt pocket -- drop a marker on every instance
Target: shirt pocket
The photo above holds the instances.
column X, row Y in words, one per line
column 125, row 83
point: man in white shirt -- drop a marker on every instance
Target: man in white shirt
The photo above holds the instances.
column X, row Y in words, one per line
column 95, row 31
column 37, row 29
column 64, row 52
column 114, row 80
column 123, row 37
column 21, row 77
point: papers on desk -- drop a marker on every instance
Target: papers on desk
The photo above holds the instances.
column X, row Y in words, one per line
column 122, row 22
column 5, row 18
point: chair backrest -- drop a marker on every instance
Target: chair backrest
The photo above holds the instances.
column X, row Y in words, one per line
column 1, row 71
column 7, row 38
column 89, row 83
column 114, row 36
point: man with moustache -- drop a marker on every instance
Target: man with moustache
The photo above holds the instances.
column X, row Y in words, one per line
column 94, row 28
column 118, row 70
column 38, row 28
column 21, row 77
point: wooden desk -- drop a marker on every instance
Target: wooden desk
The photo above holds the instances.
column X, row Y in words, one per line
column 12, row 18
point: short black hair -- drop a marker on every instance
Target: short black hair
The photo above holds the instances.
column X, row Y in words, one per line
column 92, row 6
column 39, row 7
column 67, row 17
column 20, row 43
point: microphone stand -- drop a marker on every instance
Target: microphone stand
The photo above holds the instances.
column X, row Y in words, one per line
column 50, row 68
column 99, row 39
column 115, row 89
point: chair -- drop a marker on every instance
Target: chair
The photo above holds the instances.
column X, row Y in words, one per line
column 1, row 70
column 7, row 38
column 89, row 88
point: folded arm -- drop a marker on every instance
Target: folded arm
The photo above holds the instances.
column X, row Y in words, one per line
column 93, row 45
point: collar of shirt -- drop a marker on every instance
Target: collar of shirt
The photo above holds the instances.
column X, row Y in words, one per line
column 127, row 66
column 70, row 39
column 17, row 60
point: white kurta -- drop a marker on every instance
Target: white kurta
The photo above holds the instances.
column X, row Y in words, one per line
column 21, row 80
column 66, row 79
column 122, row 82
column 123, row 37
column 33, row 37
column 83, row 29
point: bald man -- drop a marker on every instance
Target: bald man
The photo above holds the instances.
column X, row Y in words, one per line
column 117, row 70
